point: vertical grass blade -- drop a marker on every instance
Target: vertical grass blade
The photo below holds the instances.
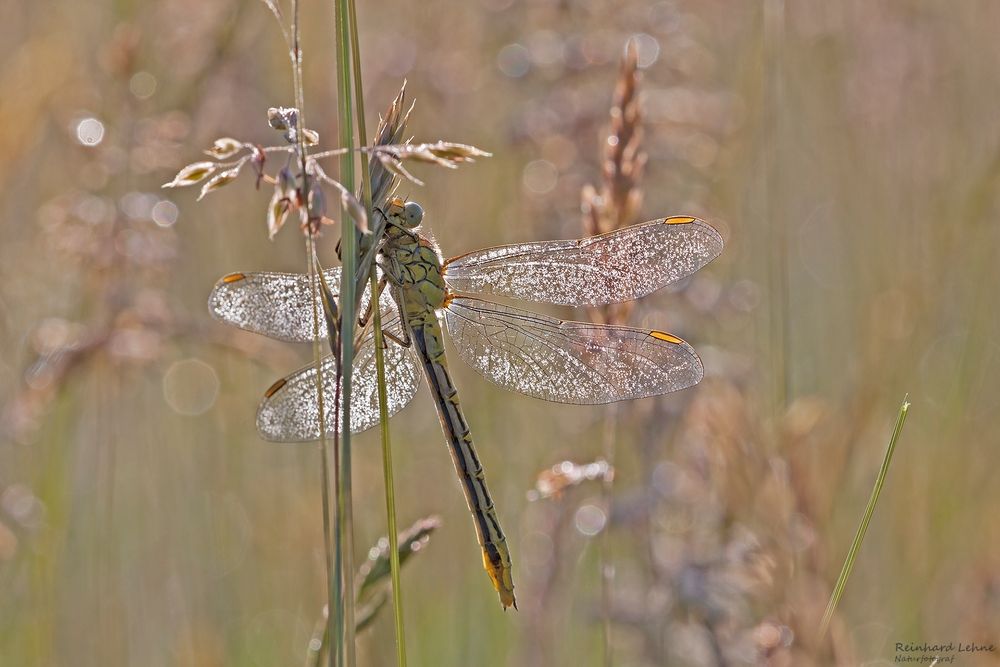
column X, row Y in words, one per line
column 390, row 496
column 359, row 101
column 845, row 571
column 777, row 232
column 331, row 546
column 334, row 610
column 383, row 405
column 607, row 572
column 367, row 198
column 348, row 298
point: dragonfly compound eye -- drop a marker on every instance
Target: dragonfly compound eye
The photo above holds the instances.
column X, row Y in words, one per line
column 412, row 215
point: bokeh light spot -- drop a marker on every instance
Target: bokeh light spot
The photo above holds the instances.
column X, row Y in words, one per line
column 590, row 520
column 142, row 85
column 514, row 60
column 138, row 205
column 164, row 213
column 546, row 48
column 540, row 177
column 89, row 131
column 647, row 49
column 190, row 387
column 94, row 210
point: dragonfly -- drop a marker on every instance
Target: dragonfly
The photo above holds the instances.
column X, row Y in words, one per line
column 530, row 353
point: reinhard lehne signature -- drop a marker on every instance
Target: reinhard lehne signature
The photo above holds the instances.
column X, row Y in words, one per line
column 929, row 653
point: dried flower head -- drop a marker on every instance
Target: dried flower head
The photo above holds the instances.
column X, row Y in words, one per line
column 292, row 190
column 192, row 173
column 224, row 148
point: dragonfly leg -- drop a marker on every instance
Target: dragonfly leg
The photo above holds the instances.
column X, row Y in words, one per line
column 330, row 313
column 391, row 270
column 363, row 317
column 403, row 341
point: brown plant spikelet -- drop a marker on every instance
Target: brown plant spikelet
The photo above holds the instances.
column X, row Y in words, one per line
column 616, row 203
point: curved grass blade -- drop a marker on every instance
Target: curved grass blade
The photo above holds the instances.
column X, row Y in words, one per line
column 852, row 554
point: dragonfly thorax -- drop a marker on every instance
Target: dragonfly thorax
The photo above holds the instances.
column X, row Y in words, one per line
column 414, row 266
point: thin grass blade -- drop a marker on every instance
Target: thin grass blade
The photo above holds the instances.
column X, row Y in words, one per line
column 852, row 554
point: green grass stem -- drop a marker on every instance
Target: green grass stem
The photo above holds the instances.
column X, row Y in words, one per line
column 845, row 571
column 383, row 400
column 390, row 496
column 334, row 610
column 349, row 251
column 331, row 547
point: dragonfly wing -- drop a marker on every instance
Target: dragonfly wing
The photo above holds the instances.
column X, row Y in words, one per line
column 289, row 411
column 622, row 265
column 279, row 305
column 568, row 362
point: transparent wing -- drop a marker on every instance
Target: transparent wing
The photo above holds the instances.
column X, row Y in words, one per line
column 622, row 265
column 289, row 411
column 568, row 362
column 279, row 305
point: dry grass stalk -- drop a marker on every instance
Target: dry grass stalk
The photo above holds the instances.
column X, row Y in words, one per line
column 617, row 202
column 611, row 206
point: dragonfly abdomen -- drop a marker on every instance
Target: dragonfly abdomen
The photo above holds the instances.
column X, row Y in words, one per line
column 426, row 334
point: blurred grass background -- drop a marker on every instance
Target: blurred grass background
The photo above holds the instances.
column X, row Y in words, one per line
column 847, row 151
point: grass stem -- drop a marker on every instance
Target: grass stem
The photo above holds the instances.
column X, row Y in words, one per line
column 607, row 571
column 330, row 545
column 333, row 609
column 845, row 571
column 349, row 251
column 383, row 401
column 390, row 496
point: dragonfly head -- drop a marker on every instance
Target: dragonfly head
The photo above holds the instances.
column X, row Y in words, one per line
column 407, row 215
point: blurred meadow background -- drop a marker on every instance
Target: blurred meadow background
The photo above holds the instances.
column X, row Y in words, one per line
column 848, row 152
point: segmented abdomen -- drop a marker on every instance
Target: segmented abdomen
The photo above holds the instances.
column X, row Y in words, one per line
column 426, row 335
